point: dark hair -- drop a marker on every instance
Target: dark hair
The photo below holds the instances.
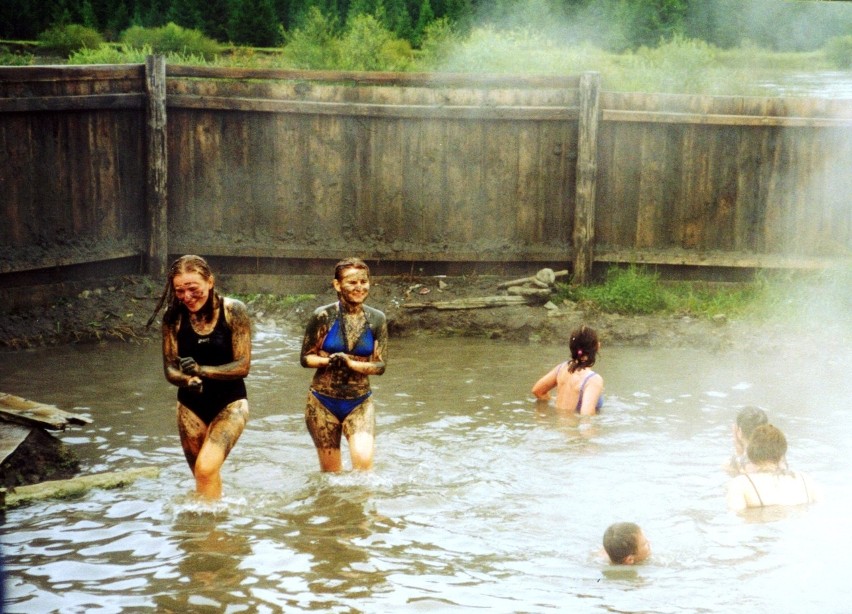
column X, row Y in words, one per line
column 584, row 348
column 767, row 444
column 749, row 419
column 619, row 541
column 174, row 308
column 349, row 263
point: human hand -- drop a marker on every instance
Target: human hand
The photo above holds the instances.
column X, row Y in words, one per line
column 338, row 360
column 189, row 366
column 195, row 385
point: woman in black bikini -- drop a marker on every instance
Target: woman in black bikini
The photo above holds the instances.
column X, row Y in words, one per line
column 346, row 342
column 206, row 354
column 768, row 481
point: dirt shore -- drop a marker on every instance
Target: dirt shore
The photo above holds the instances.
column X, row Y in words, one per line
column 118, row 308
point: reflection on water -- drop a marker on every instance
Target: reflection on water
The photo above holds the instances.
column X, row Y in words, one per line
column 480, row 498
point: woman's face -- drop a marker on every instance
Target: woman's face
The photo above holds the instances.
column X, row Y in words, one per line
column 353, row 286
column 192, row 290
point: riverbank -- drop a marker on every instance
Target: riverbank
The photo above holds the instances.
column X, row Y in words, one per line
column 117, row 309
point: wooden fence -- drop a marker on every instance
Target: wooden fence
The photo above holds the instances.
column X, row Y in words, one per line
column 148, row 161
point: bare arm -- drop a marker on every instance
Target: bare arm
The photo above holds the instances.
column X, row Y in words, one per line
column 591, row 393
column 171, row 364
column 541, row 389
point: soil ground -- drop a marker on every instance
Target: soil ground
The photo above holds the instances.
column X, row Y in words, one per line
column 118, row 308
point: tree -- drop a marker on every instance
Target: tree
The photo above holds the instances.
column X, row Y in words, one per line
column 186, row 13
column 424, row 18
column 253, row 22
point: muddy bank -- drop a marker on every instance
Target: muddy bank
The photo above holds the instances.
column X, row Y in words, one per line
column 117, row 309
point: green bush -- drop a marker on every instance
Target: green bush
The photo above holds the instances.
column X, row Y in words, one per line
column 66, row 39
column 10, row 58
column 838, row 50
column 171, row 38
column 368, row 45
column 109, row 54
column 312, row 46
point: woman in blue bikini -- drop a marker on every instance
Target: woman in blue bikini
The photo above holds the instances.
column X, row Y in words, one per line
column 346, row 342
column 578, row 388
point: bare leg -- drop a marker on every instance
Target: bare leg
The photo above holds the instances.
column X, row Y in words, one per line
column 359, row 428
column 326, row 431
column 221, row 436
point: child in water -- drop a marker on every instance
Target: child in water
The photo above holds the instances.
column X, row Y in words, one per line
column 626, row 544
column 578, row 388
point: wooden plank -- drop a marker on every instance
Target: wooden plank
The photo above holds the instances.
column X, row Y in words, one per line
column 707, row 119
column 72, row 103
column 471, row 303
column 73, row 487
column 31, row 413
column 156, row 180
column 377, row 78
column 59, row 73
column 407, row 111
column 719, row 259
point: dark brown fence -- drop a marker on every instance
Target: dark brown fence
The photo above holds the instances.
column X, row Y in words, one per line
column 100, row 163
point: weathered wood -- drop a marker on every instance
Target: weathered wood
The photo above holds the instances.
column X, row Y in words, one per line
column 73, row 487
column 156, row 180
column 470, row 303
column 710, row 119
column 523, row 280
column 72, row 103
column 587, row 155
column 32, row 413
column 529, row 292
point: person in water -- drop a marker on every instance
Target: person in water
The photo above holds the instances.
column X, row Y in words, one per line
column 578, row 388
column 346, row 342
column 748, row 419
column 626, row 544
column 207, row 355
column 768, row 481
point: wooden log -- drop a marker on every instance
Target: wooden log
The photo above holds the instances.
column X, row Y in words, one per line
column 31, row 413
column 529, row 292
column 523, row 280
column 470, row 303
column 59, row 489
column 157, row 167
column 583, row 237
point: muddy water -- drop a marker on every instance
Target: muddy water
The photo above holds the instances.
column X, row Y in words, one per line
column 478, row 501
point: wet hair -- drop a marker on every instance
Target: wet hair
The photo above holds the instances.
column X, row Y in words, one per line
column 749, row 419
column 620, row 541
column 175, row 308
column 584, row 348
column 349, row 263
column 767, row 444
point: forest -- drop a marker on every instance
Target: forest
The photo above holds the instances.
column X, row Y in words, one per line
column 615, row 25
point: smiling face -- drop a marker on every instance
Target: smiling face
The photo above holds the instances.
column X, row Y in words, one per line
column 192, row 289
column 353, row 285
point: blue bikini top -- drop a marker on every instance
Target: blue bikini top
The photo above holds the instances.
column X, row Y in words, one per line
column 335, row 340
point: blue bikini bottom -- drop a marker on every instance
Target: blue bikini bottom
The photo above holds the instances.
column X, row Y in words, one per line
column 340, row 407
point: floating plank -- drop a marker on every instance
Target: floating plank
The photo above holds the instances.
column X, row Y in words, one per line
column 57, row 489
column 470, row 303
column 31, row 413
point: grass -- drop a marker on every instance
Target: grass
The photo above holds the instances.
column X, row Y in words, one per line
column 786, row 296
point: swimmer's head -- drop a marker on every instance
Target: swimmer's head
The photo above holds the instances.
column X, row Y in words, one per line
column 749, row 418
column 349, row 263
column 584, row 346
column 186, row 265
column 767, row 444
column 626, row 544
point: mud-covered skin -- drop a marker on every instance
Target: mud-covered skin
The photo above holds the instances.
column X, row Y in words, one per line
column 338, row 377
column 237, row 318
column 327, row 431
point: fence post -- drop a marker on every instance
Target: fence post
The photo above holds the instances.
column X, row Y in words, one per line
column 155, row 188
column 587, row 165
